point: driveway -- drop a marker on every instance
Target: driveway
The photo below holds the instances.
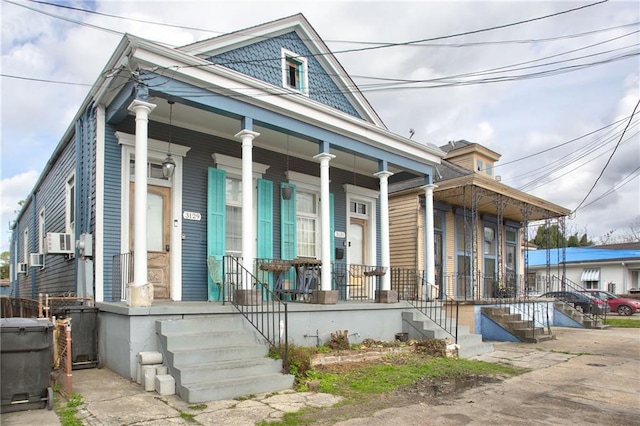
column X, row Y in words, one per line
column 582, row 377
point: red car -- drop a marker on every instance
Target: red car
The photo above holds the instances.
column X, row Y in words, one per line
column 616, row 303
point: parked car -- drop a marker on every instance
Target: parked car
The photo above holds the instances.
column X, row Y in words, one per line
column 616, row 303
column 581, row 301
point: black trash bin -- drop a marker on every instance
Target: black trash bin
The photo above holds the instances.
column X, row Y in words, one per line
column 84, row 335
column 26, row 346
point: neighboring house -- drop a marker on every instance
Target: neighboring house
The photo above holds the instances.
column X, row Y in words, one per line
column 614, row 267
column 255, row 145
column 478, row 226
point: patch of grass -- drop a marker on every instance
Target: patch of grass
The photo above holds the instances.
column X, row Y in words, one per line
column 67, row 412
column 377, row 379
column 622, row 322
column 244, row 398
column 189, row 418
column 197, row 407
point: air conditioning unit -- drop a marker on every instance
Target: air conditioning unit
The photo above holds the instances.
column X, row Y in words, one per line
column 36, row 259
column 22, row 268
column 59, row 243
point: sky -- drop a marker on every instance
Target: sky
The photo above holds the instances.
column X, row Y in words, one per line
column 544, row 94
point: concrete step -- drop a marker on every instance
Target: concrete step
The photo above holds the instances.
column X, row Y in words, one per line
column 215, row 371
column 469, row 351
column 232, row 388
column 183, row 357
column 213, row 339
column 201, row 324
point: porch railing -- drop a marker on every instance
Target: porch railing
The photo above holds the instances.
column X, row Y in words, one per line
column 266, row 313
column 412, row 287
column 122, row 274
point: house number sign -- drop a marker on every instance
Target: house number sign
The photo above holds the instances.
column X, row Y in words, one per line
column 191, row 216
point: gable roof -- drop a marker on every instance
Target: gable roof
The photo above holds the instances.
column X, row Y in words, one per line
column 307, row 34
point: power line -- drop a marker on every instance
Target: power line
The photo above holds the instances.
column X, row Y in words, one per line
column 375, row 43
column 41, row 80
column 609, row 160
column 526, row 157
column 631, row 176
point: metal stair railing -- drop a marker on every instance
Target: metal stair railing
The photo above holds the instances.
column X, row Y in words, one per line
column 512, row 294
column 556, row 283
column 412, row 287
column 264, row 311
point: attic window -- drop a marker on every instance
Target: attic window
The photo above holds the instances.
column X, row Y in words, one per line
column 294, row 72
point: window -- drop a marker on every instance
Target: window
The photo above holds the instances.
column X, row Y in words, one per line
column 41, row 231
column 358, row 208
column 71, row 204
column 233, row 197
column 294, row 72
column 489, row 169
column 154, row 170
column 25, row 246
column 306, row 223
column 479, row 165
column 489, row 241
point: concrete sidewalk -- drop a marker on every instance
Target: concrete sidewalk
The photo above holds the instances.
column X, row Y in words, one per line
column 582, row 377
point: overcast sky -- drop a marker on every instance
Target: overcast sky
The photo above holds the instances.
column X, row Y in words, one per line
column 588, row 81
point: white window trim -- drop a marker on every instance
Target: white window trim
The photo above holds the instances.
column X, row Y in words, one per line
column 41, row 230
column 25, row 248
column 370, row 198
column 156, row 152
column 233, row 168
column 70, row 226
column 305, row 71
column 310, row 184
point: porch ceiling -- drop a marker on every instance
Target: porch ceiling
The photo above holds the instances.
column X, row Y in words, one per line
column 227, row 127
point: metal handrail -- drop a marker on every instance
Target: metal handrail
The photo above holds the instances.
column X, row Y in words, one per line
column 556, row 283
column 264, row 311
column 412, row 287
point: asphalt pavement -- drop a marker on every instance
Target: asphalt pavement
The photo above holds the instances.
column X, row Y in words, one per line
column 582, row 377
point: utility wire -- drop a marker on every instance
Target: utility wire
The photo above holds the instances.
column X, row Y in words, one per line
column 526, row 157
column 631, row 176
column 375, row 43
column 70, row 83
column 74, row 21
column 608, row 161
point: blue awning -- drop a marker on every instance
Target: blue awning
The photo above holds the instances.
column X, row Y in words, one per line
column 590, row 275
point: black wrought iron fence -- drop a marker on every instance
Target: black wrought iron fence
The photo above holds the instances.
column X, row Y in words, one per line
column 412, row 287
column 257, row 302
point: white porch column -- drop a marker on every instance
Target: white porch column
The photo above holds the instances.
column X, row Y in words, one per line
column 325, row 220
column 429, row 241
column 248, row 224
column 385, row 254
column 142, row 110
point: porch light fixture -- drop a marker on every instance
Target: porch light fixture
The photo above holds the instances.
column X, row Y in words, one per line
column 169, row 165
column 287, row 190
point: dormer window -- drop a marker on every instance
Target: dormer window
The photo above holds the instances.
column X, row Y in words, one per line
column 294, row 72
column 479, row 166
column 489, row 169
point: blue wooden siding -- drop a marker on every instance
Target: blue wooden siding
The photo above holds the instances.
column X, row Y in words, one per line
column 195, row 177
column 58, row 276
column 112, row 214
column 262, row 60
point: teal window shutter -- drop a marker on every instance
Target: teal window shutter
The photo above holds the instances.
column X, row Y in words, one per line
column 216, row 209
column 332, row 228
column 265, row 219
column 288, row 244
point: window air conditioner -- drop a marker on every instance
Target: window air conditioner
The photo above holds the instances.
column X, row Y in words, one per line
column 59, row 243
column 22, row 268
column 36, row 259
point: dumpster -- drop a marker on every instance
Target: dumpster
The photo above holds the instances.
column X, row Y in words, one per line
column 84, row 335
column 26, row 346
